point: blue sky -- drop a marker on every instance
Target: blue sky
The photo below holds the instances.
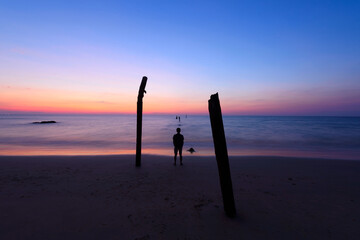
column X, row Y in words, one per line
column 263, row 57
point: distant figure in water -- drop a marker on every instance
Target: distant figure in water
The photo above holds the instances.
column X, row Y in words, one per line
column 178, row 141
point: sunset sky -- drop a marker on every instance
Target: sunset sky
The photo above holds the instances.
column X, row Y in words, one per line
column 263, row 57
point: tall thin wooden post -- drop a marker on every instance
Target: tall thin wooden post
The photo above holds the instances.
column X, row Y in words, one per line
column 139, row 120
column 221, row 153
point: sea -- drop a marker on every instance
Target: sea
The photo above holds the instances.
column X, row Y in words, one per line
column 293, row 136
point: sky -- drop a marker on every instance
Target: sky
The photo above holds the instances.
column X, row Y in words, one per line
column 262, row 57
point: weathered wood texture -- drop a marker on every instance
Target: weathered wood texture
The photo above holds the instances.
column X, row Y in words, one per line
column 221, row 153
column 139, row 120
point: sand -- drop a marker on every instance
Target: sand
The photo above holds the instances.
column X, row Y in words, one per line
column 106, row 197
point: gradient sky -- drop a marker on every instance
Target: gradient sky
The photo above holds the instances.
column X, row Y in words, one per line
column 263, row 57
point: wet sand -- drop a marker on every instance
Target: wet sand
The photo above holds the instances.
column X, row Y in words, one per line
column 107, row 197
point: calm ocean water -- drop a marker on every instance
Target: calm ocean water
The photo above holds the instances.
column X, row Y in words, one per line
column 327, row 137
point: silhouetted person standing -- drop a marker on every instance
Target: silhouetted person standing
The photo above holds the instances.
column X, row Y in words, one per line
column 178, row 141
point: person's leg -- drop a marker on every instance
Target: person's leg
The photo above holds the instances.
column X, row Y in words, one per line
column 175, row 155
column 180, row 154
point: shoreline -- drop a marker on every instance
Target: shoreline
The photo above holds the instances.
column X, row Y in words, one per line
column 171, row 156
column 93, row 197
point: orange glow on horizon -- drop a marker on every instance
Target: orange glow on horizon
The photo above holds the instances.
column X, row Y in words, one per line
column 21, row 99
column 64, row 101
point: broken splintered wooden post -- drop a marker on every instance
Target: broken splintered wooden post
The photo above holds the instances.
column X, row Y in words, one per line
column 221, row 153
column 139, row 120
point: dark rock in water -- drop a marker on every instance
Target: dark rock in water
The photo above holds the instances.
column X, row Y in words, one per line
column 42, row 122
column 191, row 150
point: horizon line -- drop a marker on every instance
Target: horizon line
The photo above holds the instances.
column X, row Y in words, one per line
column 7, row 112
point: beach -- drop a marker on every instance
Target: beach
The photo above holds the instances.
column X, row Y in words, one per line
column 271, row 88
column 107, row 197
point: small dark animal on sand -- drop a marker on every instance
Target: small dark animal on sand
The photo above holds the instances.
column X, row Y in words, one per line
column 191, row 150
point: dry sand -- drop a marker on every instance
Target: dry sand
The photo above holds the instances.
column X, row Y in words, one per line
column 106, row 197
